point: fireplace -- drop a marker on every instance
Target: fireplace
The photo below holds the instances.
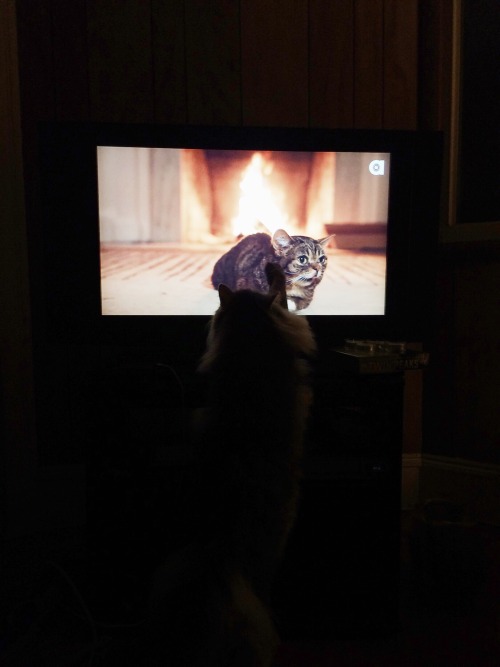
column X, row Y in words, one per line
column 193, row 196
column 228, row 194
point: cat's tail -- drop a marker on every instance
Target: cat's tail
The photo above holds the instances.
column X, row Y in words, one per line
column 208, row 614
column 249, row 632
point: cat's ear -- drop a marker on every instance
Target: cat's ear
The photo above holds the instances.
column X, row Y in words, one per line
column 281, row 240
column 225, row 295
column 277, row 284
column 280, row 297
column 324, row 242
column 268, row 300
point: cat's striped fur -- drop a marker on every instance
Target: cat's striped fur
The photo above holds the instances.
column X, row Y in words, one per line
column 302, row 259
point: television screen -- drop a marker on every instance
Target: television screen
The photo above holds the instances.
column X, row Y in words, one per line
column 142, row 222
column 167, row 215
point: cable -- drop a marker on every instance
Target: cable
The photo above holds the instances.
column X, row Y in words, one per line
column 83, row 605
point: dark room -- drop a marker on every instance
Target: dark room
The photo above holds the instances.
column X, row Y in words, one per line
column 249, row 338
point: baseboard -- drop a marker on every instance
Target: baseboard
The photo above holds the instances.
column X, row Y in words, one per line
column 472, row 483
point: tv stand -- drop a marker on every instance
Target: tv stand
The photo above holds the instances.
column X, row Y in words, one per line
column 341, row 571
column 339, row 577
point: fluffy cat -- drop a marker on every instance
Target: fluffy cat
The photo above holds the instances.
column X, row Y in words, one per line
column 302, row 259
column 250, row 451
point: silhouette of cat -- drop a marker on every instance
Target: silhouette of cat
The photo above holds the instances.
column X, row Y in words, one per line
column 209, row 600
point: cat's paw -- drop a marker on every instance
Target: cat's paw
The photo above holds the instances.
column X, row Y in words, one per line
column 291, row 305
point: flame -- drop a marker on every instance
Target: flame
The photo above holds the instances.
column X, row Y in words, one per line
column 258, row 206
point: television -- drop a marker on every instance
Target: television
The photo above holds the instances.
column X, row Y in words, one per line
column 135, row 217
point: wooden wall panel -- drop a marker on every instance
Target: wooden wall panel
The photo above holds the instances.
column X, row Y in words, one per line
column 476, row 418
column 169, row 61
column 331, row 63
column 18, row 446
column 435, row 22
column 439, row 379
column 38, row 103
column 461, row 417
column 70, row 59
column 274, row 52
column 368, row 63
column 400, row 64
column 120, row 60
column 213, row 61
column 50, row 90
column 289, row 62
column 36, row 74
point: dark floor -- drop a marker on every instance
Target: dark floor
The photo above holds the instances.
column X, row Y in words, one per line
column 449, row 610
column 449, row 606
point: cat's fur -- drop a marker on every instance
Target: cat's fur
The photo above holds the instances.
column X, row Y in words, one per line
column 302, row 259
column 250, row 451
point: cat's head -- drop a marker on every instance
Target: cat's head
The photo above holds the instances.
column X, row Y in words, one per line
column 245, row 315
column 302, row 258
column 275, row 295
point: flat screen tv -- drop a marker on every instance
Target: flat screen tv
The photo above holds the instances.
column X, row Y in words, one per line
column 136, row 217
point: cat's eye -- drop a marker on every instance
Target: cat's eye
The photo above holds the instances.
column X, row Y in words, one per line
column 302, row 259
column 322, row 259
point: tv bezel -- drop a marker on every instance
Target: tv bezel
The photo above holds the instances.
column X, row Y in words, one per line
column 70, row 221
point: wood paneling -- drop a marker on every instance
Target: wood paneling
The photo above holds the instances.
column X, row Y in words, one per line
column 434, row 66
column 70, row 58
column 38, row 103
column 213, row 61
column 477, row 356
column 17, row 416
column 400, row 64
column 368, row 63
column 274, row 52
column 169, row 61
column 289, row 62
column 463, row 419
column 36, row 73
column 331, row 63
column 120, row 60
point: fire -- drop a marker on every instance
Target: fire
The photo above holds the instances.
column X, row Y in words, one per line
column 258, row 206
